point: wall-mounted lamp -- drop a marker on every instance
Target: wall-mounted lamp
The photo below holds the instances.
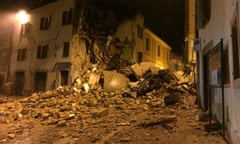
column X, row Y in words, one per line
column 23, row 17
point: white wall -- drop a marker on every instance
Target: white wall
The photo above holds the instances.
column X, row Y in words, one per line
column 55, row 37
column 57, row 34
column 219, row 27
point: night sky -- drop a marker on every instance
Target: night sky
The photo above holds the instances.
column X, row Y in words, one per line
column 10, row 4
column 164, row 17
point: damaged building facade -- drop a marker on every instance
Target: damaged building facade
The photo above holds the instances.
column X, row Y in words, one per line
column 62, row 41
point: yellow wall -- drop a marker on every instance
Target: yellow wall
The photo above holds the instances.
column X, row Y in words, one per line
column 151, row 55
column 190, row 35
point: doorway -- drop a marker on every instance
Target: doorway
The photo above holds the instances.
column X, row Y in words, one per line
column 40, row 79
column 19, row 82
column 64, row 77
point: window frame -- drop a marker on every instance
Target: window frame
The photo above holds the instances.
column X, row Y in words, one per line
column 67, row 17
column 25, row 29
column 159, row 50
column 139, row 31
column 147, row 46
column 42, row 51
column 22, row 54
column 45, row 22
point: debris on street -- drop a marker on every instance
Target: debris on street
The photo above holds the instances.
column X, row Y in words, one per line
column 106, row 107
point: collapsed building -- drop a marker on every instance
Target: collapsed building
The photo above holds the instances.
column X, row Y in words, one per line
column 97, row 56
column 63, row 40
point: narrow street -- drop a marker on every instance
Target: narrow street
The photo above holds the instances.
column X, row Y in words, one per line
column 119, row 72
column 63, row 116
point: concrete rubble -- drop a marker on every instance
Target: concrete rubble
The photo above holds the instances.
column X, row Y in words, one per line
column 98, row 102
column 101, row 91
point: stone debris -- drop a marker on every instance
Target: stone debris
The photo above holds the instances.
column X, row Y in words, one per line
column 96, row 95
column 67, row 103
column 136, row 68
column 114, row 81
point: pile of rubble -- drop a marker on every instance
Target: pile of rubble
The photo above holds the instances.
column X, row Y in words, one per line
column 137, row 88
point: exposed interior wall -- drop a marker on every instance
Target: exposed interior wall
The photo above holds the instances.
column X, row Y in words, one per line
column 124, row 30
column 79, row 57
column 126, row 36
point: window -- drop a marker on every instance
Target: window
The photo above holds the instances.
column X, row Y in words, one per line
column 67, row 17
column 21, row 55
column 25, row 29
column 64, row 77
column 158, row 51
column 203, row 12
column 235, row 49
column 140, row 57
column 139, row 31
column 4, row 61
column 42, row 51
column 66, row 49
column 206, row 11
column 147, row 44
column 45, row 23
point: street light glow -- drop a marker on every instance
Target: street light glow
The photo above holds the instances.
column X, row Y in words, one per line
column 23, row 17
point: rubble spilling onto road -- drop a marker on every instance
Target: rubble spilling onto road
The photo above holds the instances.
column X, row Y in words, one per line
column 101, row 106
column 101, row 90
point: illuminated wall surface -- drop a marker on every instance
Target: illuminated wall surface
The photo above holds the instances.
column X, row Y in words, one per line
column 217, row 27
